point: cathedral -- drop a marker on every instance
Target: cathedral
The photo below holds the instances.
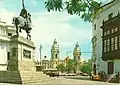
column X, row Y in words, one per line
column 55, row 56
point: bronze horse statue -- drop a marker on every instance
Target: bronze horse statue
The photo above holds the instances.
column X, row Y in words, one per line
column 22, row 23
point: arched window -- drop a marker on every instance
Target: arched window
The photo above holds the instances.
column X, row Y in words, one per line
column 56, row 55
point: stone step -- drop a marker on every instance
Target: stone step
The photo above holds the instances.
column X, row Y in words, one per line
column 38, row 81
column 25, row 77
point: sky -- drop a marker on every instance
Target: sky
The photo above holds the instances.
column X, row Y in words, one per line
column 47, row 26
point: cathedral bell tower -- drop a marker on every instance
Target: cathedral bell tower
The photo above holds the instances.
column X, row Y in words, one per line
column 55, row 54
column 77, row 52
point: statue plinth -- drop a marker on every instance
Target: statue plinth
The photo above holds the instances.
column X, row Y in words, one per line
column 22, row 54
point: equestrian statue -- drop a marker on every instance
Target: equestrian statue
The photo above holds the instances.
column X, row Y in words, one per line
column 23, row 21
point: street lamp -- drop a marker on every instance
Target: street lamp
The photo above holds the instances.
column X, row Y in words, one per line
column 40, row 53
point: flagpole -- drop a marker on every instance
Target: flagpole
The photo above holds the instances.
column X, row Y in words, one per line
column 40, row 53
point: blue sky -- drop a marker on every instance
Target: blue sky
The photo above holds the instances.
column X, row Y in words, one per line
column 67, row 29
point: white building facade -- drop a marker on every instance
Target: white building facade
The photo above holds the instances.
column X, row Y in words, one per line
column 6, row 31
column 103, row 15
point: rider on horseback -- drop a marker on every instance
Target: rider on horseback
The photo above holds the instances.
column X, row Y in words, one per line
column 23, row 22
column 27, row 17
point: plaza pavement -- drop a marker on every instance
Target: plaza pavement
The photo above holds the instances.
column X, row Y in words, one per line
column 68, row 81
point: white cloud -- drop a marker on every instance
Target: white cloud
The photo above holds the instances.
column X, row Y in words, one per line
column 55, row 25
column 6, row 15
column 34, row 2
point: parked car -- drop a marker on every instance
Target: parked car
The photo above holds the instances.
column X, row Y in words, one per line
column 84, row 74
column 62, row 74
column 71, row 74
column 51, row 72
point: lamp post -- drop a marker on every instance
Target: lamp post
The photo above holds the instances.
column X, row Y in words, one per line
column 40, row 53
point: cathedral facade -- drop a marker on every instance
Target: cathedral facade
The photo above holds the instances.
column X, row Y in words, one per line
column 55, row 57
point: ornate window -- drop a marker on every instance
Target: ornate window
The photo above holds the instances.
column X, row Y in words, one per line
column 8, row 55
column 116, row 39
column 104, row 33
column 95, row 27
column 9, row 34
column 108, row 44
column 110, row 16
column 112, row 44
column 104, row 45
column 119, row 41
column 56, row 55
column 2, row 45
column 116, row 29
column 108, row 32
column 112, row 31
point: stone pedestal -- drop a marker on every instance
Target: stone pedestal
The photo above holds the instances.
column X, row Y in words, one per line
column 21, row 66
column 22, row 55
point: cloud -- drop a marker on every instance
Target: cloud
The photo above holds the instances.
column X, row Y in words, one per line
column 34, row 2
column 6, row 15
column 55, row 25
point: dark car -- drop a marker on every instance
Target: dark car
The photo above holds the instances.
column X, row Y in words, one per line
column 51, row 72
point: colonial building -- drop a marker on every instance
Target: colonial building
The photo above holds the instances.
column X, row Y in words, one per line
column 45, row 63
column 111, row 42
column 6, row 31
column 106, row 39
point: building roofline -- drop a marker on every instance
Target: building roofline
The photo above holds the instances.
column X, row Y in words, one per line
column 3, row 22
column 109, row 3
column 105, row 7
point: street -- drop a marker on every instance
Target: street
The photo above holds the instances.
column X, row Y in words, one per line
column 75, row 80
column 69, row 80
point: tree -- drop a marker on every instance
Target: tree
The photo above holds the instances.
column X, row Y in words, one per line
column 61, row 67
column 87, row 68
column 71, row 66
column 86, row 9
